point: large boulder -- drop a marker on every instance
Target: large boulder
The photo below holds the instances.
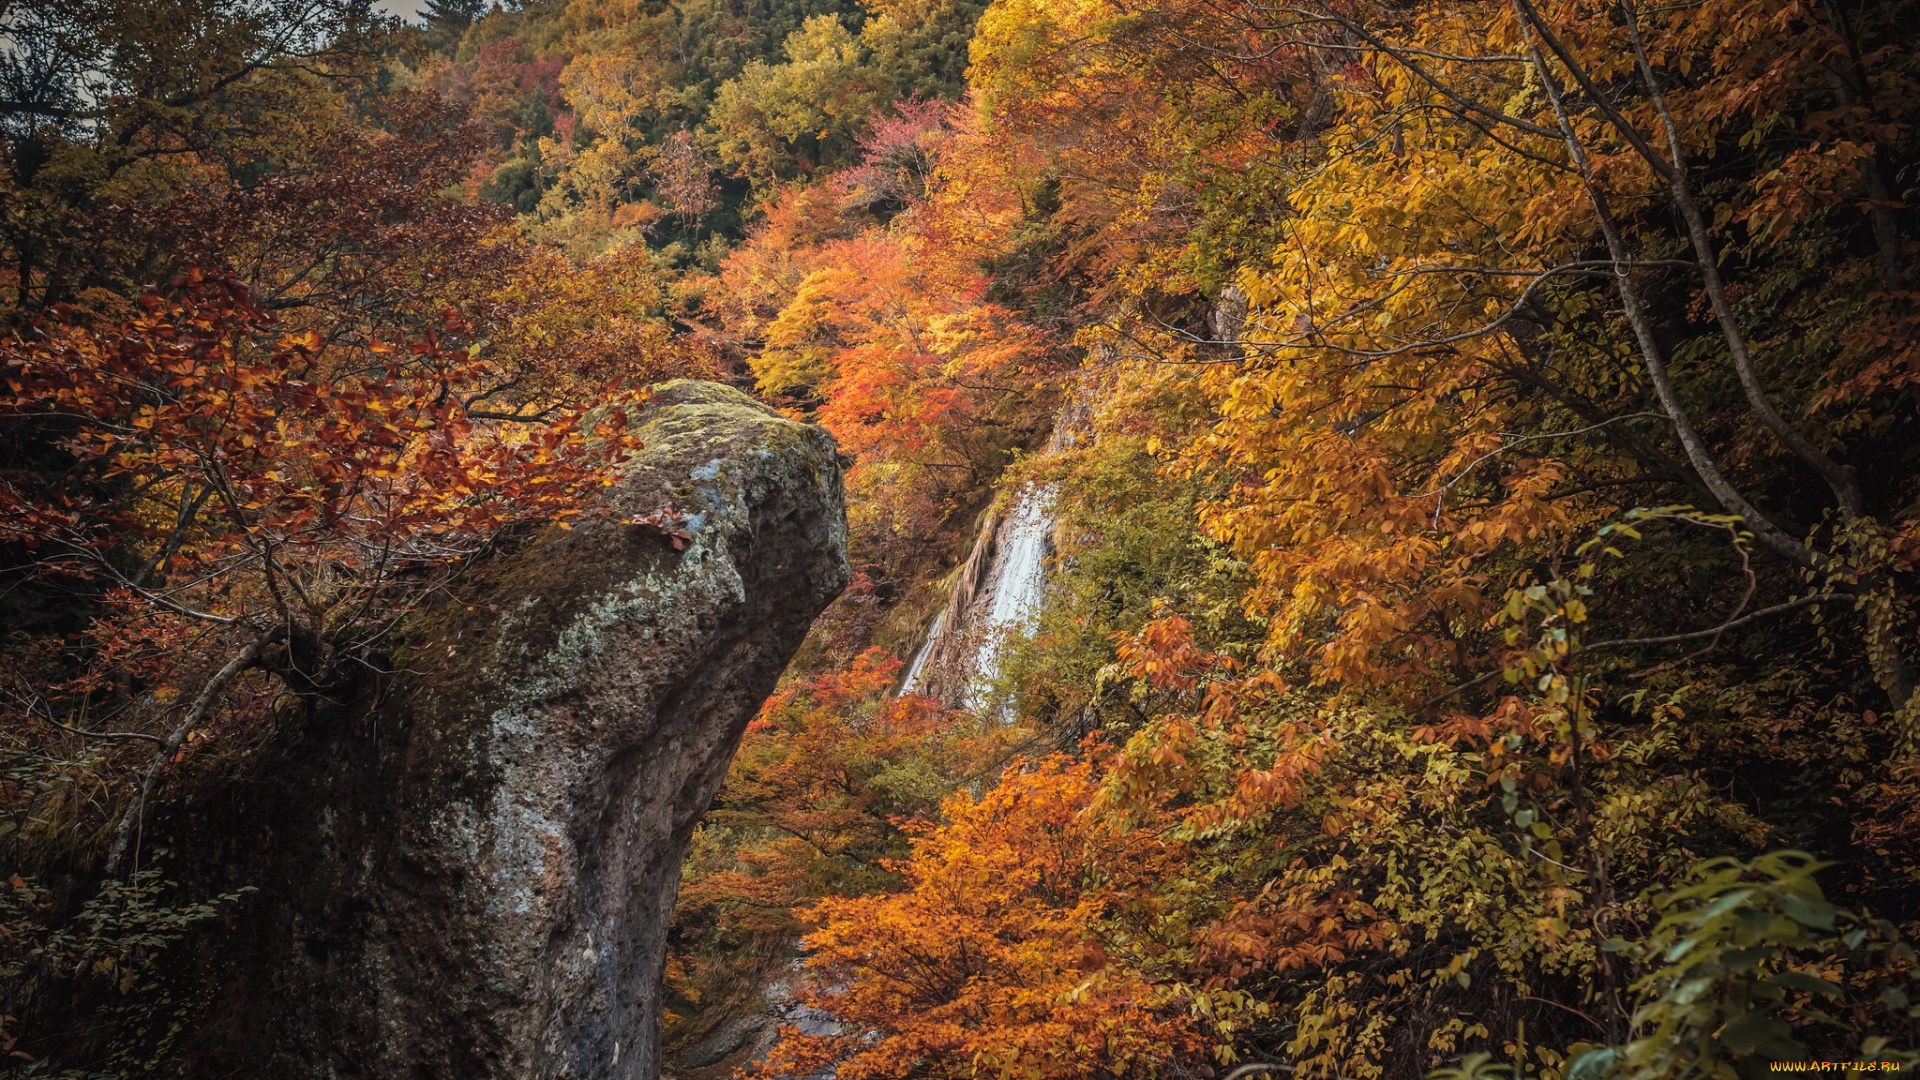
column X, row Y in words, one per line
column 469, row 874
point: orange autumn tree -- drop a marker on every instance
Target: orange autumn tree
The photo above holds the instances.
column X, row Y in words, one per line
column 1437, row 332
column 266, row 386
column 1427, row 380
column 826, row 780
column 353, row 386
column 1015, row 950
column 864, row 300
column 1545, row 371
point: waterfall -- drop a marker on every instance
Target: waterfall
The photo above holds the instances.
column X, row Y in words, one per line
column 996, row 593
column 1014, row 598
column 919, row 666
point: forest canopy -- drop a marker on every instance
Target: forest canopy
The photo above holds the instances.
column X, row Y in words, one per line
column 1479, row 632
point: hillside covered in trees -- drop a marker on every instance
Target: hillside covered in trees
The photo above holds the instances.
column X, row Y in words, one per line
column 1481, row 444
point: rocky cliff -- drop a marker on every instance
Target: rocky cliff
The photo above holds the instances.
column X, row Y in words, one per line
column 468, row 872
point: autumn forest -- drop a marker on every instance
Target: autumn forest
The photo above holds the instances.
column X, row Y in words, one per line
column 1470, row 452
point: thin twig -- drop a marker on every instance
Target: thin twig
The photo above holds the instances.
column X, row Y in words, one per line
column 1260, row 1067
column 1728, row 496
column 155, row 739
column 1713, row 632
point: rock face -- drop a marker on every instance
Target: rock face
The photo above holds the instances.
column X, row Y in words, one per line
column 469, row 874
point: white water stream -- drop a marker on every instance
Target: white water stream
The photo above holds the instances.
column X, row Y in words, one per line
column 1013, row 605
column 1007, row 605
column 919, row 665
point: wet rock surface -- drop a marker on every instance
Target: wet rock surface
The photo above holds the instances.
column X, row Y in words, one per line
column 744, row 1040
column 468, row 872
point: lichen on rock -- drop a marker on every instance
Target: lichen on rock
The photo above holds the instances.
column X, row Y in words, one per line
column 470, row 872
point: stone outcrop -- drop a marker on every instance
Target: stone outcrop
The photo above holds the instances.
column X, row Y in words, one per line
column 469, row 873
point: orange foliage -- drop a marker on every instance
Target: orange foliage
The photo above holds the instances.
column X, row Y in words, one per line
column 826, row 778
column 246, row 452
column 240, row 494
column 998, row 958
column 887, row 332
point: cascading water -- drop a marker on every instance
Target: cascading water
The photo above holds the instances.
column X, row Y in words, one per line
column 911, row 684
column 998, row 594
column 1019, row 576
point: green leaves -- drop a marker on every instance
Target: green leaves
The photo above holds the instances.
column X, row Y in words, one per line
column 1593, row 1063
column 1473, row 1067
column 1745, row 966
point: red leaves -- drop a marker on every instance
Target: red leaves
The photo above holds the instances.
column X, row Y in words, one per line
column 265, row 475
column 667, row 521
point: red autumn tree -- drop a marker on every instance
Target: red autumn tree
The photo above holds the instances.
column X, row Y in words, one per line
column 235, row 497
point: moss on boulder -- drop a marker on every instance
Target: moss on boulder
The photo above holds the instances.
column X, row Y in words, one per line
column 469, row 872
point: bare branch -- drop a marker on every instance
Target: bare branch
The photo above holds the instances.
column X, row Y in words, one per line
column 1711, row 632
column 1698, row 456
column 124, row 832
column 1714, row 632
column 1838, row 477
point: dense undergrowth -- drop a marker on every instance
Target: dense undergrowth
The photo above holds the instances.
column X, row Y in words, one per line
column 1486, row 540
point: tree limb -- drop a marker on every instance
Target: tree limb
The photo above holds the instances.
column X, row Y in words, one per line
column 124, row 832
